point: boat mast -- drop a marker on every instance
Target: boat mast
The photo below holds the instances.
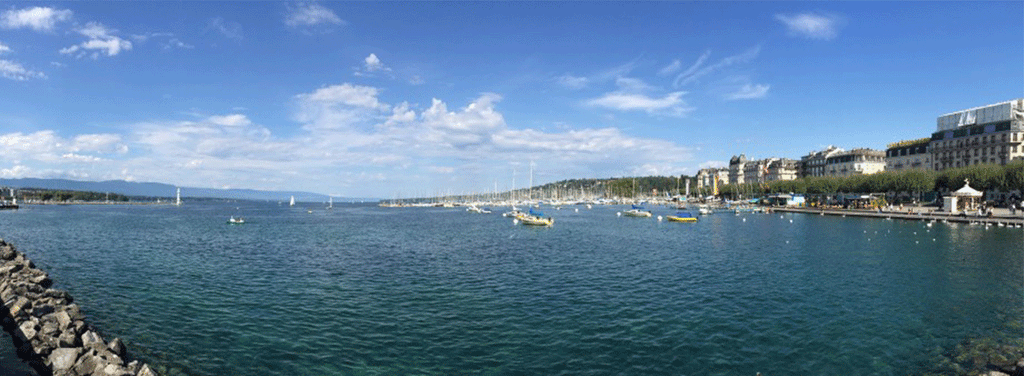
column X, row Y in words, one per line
column 529, row 195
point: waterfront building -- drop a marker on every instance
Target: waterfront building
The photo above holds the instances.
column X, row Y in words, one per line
column 737, row 164
column 860, row 161
column 782, row 169
column 755, row 171
column 988, row 134
column 906, row 155
column 706, row 177
column 813, row 164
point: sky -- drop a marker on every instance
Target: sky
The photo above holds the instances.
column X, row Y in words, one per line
column 370, row 99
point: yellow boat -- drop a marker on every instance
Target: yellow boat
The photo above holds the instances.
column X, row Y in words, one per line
column 530, row 220
column 682, row 217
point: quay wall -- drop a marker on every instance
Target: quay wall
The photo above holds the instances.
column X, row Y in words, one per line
column 48, row 329
column 916, row 216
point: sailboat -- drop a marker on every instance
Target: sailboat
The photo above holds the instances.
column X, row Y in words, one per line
column 292, row 203
column 330, row 203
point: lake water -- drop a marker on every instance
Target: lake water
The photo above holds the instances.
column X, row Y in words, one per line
column 362, row 290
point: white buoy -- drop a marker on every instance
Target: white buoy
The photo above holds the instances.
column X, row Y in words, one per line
column 744, row 219
column 659, row 218
column 577, row 210
column 619, row 214
column 515, row 221
column 780, row 217
column 790, row 221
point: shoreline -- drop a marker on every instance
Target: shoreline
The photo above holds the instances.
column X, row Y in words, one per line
column 48, row 329
column 917, row 216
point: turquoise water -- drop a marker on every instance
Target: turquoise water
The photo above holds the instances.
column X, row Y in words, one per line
column 361, row 290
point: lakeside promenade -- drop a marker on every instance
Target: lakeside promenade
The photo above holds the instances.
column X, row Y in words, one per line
column 915, row 214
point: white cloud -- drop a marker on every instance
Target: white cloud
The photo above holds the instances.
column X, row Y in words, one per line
column 670, row 104
column 81, row 158
column 102, row 143
column 713, row 164
column 349, row 141
column 233, row 120
column 4, row 48
column 311, row 15
column 373, row 64
column 229, row 29
column 749, row 91
column 35, row 18
column 671, row 68
column 572, row 82
column 697, row 70
column 810, row 25
column 14, row 71
column 101, row 39
column 632, row 85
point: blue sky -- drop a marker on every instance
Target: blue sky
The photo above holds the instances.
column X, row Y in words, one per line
column 407, row 99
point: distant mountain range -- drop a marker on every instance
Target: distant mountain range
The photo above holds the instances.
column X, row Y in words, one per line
column 166, row 190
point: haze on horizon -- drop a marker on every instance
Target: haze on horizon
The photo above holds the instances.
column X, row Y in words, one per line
column 413, row 99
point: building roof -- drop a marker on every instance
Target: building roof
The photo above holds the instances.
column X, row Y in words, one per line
column 967, row 191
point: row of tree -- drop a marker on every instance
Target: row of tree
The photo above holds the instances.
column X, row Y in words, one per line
column 988, row 177
column 52, row 195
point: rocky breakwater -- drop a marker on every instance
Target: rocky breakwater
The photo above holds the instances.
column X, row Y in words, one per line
column 49, row 330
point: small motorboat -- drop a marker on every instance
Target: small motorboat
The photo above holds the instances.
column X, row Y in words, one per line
column 236, row 221
column 682, row 217
column 637, row 211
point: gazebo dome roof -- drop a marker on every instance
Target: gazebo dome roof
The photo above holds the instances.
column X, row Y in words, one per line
column 967, row 191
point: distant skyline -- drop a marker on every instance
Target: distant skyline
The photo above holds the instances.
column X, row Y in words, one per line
column 366, row 99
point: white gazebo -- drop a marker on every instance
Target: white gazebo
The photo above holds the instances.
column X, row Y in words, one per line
column 964, row 199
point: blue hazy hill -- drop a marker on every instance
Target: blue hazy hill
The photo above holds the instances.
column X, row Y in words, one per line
column 166, row 190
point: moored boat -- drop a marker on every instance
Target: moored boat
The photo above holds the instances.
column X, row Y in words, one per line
column 637, row 211
column 236, row 221
column 682, row 217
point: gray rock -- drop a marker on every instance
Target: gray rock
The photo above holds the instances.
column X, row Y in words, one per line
column 63, row 320
column 18, row 305
column 133, row 367
column 90, row 337
column 49, row 328
column 145, row 371
column 7, row 252
column 27, row 330
column 42, row 280
column 64, row 358
column 1020, row 363
column 86, row 365
column 68, row 339
column 116, row 347
column 74, row 312
column 42, row 309
column 114, row 370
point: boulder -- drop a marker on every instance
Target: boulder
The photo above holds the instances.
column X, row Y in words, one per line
column 41, row 310
column 145, row 371
column 133, row 367
column 116, row 347
column 27, row 330
column 7, row 252
column 18, row 305
column 63, row 320
column 63, row 359
column 90, row 338
column 68, row 339
column 86, row 364
column 113, row 369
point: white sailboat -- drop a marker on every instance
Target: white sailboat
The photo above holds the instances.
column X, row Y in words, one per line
column 292, row 202
column 330, row 203
column 177, row 201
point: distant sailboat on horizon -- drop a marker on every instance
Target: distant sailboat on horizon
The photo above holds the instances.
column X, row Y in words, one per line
column 292, row 202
